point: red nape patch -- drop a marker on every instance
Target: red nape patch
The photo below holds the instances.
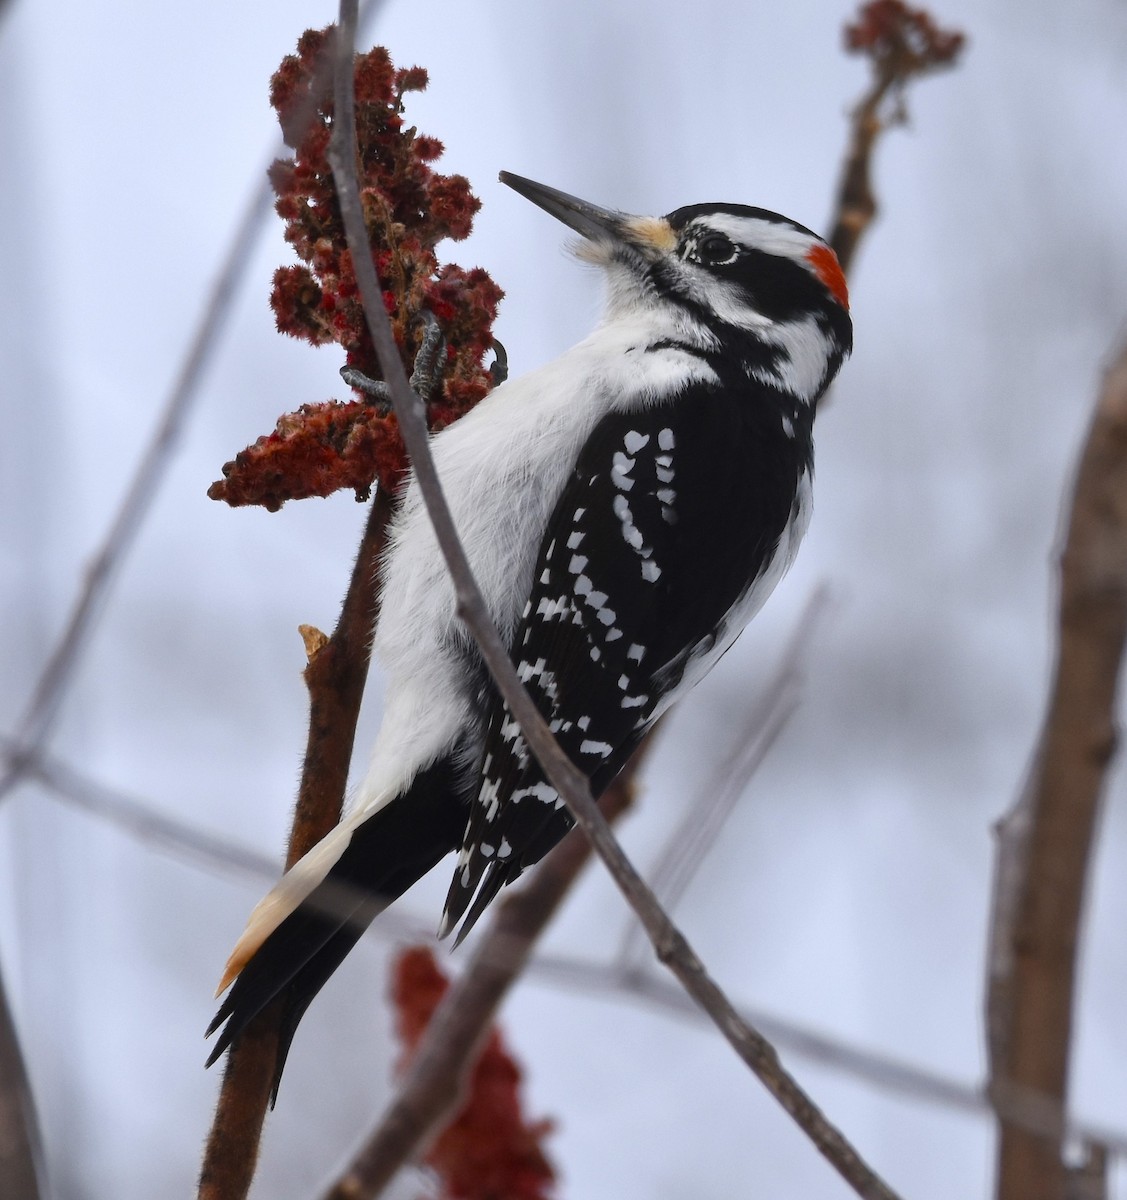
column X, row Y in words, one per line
column 828, row 269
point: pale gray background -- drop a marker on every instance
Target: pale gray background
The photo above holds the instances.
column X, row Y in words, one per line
column 849, row 891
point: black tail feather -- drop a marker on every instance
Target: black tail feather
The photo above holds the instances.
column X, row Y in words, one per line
column 390, row 851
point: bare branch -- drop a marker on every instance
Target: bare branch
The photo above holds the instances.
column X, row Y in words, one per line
column 38, row 718
column 1045, row 843
column 705, row 815
column 901, row 44
column 335, row 676
column 669, row 943
column 1024, row 1108
column 431, row 1090
column 143, row 821
column 21, row 1155
column 856, row 205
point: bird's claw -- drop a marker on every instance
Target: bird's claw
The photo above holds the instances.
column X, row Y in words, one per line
column 426, row 376
column 499, row 367
column 430, row 361
column 378, row 393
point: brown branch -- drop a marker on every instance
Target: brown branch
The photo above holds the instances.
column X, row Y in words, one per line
column 572, row 786
column 432, row 1088
column 1045, row 843
column 901, row 44
column 856, row 204
column 21, row 1158
column 335, row 676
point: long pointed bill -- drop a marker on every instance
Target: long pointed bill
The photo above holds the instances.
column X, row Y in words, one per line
column 648, row 234
column 588, row 219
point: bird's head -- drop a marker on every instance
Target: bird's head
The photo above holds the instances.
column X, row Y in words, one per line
column 733, row 273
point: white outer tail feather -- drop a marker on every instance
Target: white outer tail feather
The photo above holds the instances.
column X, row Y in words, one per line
column 295, row 886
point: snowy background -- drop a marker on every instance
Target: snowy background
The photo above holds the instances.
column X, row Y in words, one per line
column 849, row 890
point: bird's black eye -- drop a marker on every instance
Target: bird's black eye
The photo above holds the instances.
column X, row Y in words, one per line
column 712, row 249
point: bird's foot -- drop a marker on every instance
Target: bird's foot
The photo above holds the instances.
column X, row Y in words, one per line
column 499, row 367
column 426, row 376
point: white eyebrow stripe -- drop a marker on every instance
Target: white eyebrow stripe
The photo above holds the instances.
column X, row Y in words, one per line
column 759, row 234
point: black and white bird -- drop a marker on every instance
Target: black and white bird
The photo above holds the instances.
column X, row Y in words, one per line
column 626, row 510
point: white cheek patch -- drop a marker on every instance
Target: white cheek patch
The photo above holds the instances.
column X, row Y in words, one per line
column 727, row 300
column 803, row 370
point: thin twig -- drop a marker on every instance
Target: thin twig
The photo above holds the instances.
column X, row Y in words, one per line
column 145, row 822
column 21, row 1154
column 1046, row 842
column 704, row 816
column 572, row 786
column 431, row 1090
column 1024, row 1108
column 50, row 689
column 856, row 204
column 902, row 44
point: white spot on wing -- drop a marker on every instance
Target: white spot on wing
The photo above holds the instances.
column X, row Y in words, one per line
column 589, row 746
column 536, row 791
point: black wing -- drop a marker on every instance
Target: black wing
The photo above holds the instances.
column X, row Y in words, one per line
column 671, row 514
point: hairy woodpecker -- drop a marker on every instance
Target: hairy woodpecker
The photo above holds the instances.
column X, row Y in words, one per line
column 626, row 510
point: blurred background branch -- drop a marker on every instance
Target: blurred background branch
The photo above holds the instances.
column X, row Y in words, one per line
column 1045, row 842
column 901, row 44
column 35, row 725
column 21, row 1152
column 705, row 813
column 139, row 819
